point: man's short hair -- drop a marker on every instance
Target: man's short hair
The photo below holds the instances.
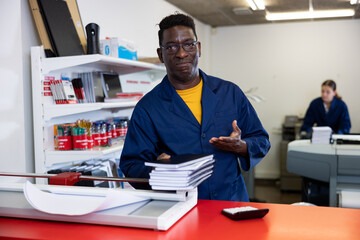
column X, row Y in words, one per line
column 173, row 20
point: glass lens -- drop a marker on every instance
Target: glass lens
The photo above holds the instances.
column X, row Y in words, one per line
column 172, row 48
column 189, row 46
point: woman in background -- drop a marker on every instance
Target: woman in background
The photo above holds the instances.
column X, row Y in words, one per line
column 327, row 110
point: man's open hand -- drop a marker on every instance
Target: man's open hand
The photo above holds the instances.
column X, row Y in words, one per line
column 233, row 143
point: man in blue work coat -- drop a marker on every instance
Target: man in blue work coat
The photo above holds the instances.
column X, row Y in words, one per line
column 190, row 112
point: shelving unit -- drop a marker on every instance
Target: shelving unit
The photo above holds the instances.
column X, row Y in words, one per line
column 53, row 111
column 95, row 61
column 57, row 157
column 46, row 113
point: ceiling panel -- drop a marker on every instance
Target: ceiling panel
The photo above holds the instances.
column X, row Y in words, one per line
column 286, row 5
column 220, row 12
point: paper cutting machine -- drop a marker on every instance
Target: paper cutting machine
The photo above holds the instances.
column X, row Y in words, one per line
column 162, row 210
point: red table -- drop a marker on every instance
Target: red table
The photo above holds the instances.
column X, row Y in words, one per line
column 205, row 221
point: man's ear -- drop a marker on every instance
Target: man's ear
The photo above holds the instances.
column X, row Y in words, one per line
column 199, row 46
column 159, row 52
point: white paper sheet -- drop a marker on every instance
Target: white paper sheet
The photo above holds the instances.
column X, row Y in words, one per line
column 191, row 167
column 349, row 199
column 73, row 205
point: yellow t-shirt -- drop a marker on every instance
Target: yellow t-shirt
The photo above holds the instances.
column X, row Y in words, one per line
column 192, row 98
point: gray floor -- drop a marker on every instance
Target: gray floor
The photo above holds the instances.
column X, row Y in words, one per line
column 269, row 191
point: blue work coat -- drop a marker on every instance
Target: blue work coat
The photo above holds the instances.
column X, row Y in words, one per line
column 163, row 123
column 337, row 117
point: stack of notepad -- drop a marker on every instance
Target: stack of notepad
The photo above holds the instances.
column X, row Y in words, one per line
column 321, row 135
column 183, row 172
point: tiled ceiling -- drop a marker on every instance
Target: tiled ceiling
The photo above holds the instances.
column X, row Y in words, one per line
column 220, row 12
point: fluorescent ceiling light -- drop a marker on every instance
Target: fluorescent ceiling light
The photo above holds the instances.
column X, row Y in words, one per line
column 309, row 14
column 256, row 4
column 252, row 4
column 260, row 4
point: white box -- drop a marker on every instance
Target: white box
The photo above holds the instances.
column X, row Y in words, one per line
column 135, row 83
column 109, row 47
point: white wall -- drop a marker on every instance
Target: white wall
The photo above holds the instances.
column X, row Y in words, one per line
column 16, row 145
column 137, row 20
column 29, row 38
column 288, row 62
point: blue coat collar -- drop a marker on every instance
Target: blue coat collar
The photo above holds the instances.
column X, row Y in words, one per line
column 333, row 106
column 178, row 106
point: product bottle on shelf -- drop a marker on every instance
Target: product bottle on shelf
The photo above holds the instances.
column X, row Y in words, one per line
column 103, row 134
column 64, row 139
column 96, row 134
column 79, row 136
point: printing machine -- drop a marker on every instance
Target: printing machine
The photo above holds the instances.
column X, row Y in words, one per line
column 337, row 163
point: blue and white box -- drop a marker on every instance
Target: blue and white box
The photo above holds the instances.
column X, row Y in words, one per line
column 127, row 49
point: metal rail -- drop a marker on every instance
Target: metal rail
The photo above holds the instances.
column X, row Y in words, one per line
column 81, row 177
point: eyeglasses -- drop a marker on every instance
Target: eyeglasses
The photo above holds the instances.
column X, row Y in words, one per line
column 172, row 48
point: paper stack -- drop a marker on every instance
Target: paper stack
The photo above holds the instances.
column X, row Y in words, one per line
column 183, row 172
column 321, row 135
